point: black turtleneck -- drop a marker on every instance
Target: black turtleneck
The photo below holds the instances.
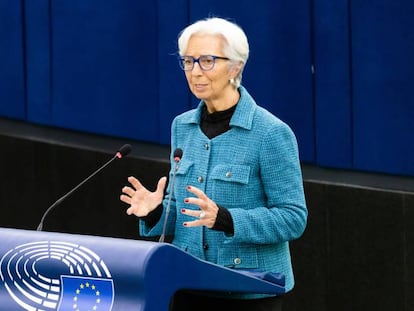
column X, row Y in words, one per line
column 216, row 123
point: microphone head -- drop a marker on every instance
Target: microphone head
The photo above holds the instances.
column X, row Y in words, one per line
column 124, row 151
column 178, row 154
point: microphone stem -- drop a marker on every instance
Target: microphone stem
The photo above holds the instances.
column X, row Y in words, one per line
column 40, row 226
column 167, row 212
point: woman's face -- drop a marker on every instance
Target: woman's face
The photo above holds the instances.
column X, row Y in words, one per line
column 213, row 85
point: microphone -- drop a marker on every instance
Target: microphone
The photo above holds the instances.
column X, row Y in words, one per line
column 122, row 152
column 178, row 154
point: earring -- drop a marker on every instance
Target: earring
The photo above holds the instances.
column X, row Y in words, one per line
column 231, row 81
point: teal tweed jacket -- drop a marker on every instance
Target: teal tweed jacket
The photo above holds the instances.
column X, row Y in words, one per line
column 253, row 170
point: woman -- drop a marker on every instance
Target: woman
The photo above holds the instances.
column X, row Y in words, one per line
column 238, row 195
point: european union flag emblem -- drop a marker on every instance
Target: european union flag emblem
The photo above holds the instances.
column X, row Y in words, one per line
column 83, row 293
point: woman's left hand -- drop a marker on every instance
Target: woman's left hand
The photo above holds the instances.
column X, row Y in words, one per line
column 207, row 214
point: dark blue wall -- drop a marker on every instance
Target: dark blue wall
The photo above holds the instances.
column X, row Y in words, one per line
column 12, row 81
column 340, row 73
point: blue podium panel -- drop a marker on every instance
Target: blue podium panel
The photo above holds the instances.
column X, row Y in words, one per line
column 55, row 271
column 12, row 85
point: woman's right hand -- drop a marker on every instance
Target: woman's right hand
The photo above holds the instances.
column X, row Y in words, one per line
column 141, row 200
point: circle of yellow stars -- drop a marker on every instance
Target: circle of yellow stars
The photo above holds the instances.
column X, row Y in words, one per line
column 81, row 288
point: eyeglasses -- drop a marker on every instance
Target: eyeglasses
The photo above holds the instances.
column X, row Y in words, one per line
column 206, row 62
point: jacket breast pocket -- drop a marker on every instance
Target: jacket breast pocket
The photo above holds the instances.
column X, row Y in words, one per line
column 184, row 167
column 182, row 177
column 230, row 183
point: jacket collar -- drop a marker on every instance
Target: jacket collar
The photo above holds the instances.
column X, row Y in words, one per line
column 242, row 117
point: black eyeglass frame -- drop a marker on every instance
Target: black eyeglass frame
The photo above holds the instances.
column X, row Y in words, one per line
column 181, row 60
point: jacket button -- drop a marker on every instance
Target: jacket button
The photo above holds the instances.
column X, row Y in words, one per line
column 206, row 146
column 205, row 246
column 200, row 179
column 237, row 261
column 228, row 174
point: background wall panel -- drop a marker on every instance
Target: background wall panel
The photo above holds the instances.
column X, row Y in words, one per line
column 39, row 79
column 12, row 81
column 174, row 97
column 109, row 68
column 333, row 105
column 383, row 81
column 105, row 67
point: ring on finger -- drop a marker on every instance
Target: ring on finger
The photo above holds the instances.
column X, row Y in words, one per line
column 202, row 215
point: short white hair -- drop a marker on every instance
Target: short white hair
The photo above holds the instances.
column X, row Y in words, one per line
column 236, row 44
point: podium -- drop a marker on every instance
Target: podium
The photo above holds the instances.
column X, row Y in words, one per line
column 56, row 271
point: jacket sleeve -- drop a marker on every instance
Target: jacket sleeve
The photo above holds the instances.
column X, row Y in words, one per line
column 284, row 216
